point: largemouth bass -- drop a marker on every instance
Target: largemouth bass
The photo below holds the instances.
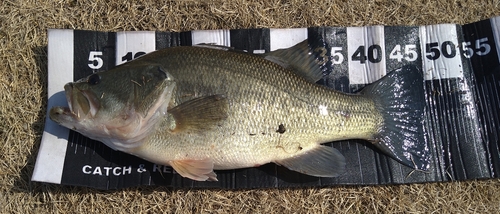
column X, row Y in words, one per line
column 200, row 109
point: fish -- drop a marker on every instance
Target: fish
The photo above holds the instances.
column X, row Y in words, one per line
column 200, row 109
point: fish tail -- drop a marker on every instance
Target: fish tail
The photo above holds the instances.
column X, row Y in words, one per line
column 399, row 97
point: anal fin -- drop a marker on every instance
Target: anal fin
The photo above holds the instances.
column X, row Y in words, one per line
column 322, row 161
column 198, row 170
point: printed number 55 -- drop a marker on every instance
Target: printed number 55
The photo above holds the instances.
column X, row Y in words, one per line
column 482, row 47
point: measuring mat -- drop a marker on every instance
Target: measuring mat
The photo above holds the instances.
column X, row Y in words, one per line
column 462, row 118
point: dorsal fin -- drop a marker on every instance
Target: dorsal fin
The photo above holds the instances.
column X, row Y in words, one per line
column 298, row 58
column 214, row 46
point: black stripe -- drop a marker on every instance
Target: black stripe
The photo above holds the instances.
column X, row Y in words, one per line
column 487, row 76
column 167, row 39
column 403, row 40
column 336, row 75
column 401, row 36
column 250, row 39
column 86, row 42
column 184, row 39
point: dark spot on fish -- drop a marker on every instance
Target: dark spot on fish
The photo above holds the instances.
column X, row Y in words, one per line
column 218, row 97
column 263, row 133
column 94, row 79
column 281, row 129
column 346, row 114
column 300, row 148
column 251, row 134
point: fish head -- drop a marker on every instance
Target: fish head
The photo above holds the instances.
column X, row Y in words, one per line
column 119, row 107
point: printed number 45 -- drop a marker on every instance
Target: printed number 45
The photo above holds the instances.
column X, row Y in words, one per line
column 410, row 53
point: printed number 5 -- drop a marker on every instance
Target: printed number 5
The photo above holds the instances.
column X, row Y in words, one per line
column 337, row 57
column 94, row 59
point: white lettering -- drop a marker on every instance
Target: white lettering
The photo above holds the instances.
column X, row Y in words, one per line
column 167, row 169
column 107, row 168
column 116, row 171
column 162, row 168
column 156, row 167
column 87, row 169
column 127, row 170
column 97, row 171
column 141, row 168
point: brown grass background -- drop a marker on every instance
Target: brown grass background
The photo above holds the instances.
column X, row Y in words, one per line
column 23, row 89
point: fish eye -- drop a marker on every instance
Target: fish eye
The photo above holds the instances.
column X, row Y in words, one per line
column 94, row 79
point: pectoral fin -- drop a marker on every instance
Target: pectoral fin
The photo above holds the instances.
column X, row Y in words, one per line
column 322, row 161
column 198, row 170
column 200, row 114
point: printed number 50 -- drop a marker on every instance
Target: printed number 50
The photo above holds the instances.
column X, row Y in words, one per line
column 94, row 59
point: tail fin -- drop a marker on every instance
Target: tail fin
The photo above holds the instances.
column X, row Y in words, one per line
column 400, row 98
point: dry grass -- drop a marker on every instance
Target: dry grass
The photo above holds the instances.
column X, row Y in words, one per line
column 23, row 85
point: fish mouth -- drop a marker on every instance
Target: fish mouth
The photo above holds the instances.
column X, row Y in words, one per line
column 81, row 105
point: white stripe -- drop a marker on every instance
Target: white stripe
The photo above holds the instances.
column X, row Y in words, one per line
column 442, row 67
column 215, row 37
column 285, row 38
column 495, row 27
column 50, row 160
column 367, row 72
column 134, row 42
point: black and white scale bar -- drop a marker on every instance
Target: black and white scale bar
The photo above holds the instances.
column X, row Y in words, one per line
column 50, row 160
column 354, row 56
column 481, row 47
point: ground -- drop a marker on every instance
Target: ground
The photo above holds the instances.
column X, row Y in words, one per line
column 23, row 89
